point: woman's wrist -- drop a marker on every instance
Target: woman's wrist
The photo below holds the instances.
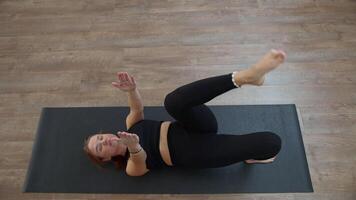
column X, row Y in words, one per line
column 134, row 100
column 136, row 152
column 131, row 91
column 135, row 148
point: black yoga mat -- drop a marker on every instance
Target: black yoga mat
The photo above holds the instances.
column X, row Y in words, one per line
column 58, row 163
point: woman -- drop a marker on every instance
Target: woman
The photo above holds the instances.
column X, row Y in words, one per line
column 192, row 140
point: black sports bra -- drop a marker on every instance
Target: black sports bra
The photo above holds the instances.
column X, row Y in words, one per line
column 148, row 132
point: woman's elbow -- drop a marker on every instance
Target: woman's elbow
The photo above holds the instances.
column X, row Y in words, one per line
column 136, row 173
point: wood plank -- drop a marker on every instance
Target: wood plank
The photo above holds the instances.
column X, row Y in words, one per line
column 38, row 81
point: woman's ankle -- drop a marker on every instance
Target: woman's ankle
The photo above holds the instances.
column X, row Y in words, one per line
column 242, row 77
column 248, row 76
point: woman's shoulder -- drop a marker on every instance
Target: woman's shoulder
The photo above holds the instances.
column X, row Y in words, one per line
column 136, row 124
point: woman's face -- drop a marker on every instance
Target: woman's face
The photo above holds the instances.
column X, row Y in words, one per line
column 106, row 146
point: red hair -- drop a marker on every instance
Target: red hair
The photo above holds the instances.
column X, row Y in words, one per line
column 119, row 161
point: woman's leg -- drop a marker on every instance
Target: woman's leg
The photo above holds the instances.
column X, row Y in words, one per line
column 210, row 151
column 186, row 103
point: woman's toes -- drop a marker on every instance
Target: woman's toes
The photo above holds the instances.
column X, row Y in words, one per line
column 278, row 53
column 279, row 56
column 283, row 53
column 272, row 159
column 274, row 52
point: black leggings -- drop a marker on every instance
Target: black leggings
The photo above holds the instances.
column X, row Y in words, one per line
column 193, row 140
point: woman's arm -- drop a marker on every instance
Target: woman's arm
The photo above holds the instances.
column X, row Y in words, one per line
column 134, row 100
column 136, row 109
column 127, row 84
column 136, row 164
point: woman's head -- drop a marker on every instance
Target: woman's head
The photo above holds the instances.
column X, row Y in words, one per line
column 103, row 147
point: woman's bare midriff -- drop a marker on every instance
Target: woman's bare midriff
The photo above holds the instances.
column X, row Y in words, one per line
column 163, row 143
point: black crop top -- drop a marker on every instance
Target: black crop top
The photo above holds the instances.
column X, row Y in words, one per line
column 148, row 132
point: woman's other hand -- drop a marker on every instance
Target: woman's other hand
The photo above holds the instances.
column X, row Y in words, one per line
column 125, row 82
column 129, row 139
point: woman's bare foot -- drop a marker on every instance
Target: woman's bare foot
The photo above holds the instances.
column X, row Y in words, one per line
column 255, row 74
column 251, row 161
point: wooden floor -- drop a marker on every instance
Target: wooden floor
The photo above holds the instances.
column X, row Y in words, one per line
column 66, row 53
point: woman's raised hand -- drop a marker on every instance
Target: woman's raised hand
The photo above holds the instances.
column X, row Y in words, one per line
column 125, row 82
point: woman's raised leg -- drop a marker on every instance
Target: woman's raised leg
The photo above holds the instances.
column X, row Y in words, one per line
column 186, row 103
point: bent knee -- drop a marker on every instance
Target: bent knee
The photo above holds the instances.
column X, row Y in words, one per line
column 171, row 102
column 273, row 142
column 168, row 102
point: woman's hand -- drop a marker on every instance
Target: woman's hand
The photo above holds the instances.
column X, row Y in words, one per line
column 125, row 82
column 129, row 139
